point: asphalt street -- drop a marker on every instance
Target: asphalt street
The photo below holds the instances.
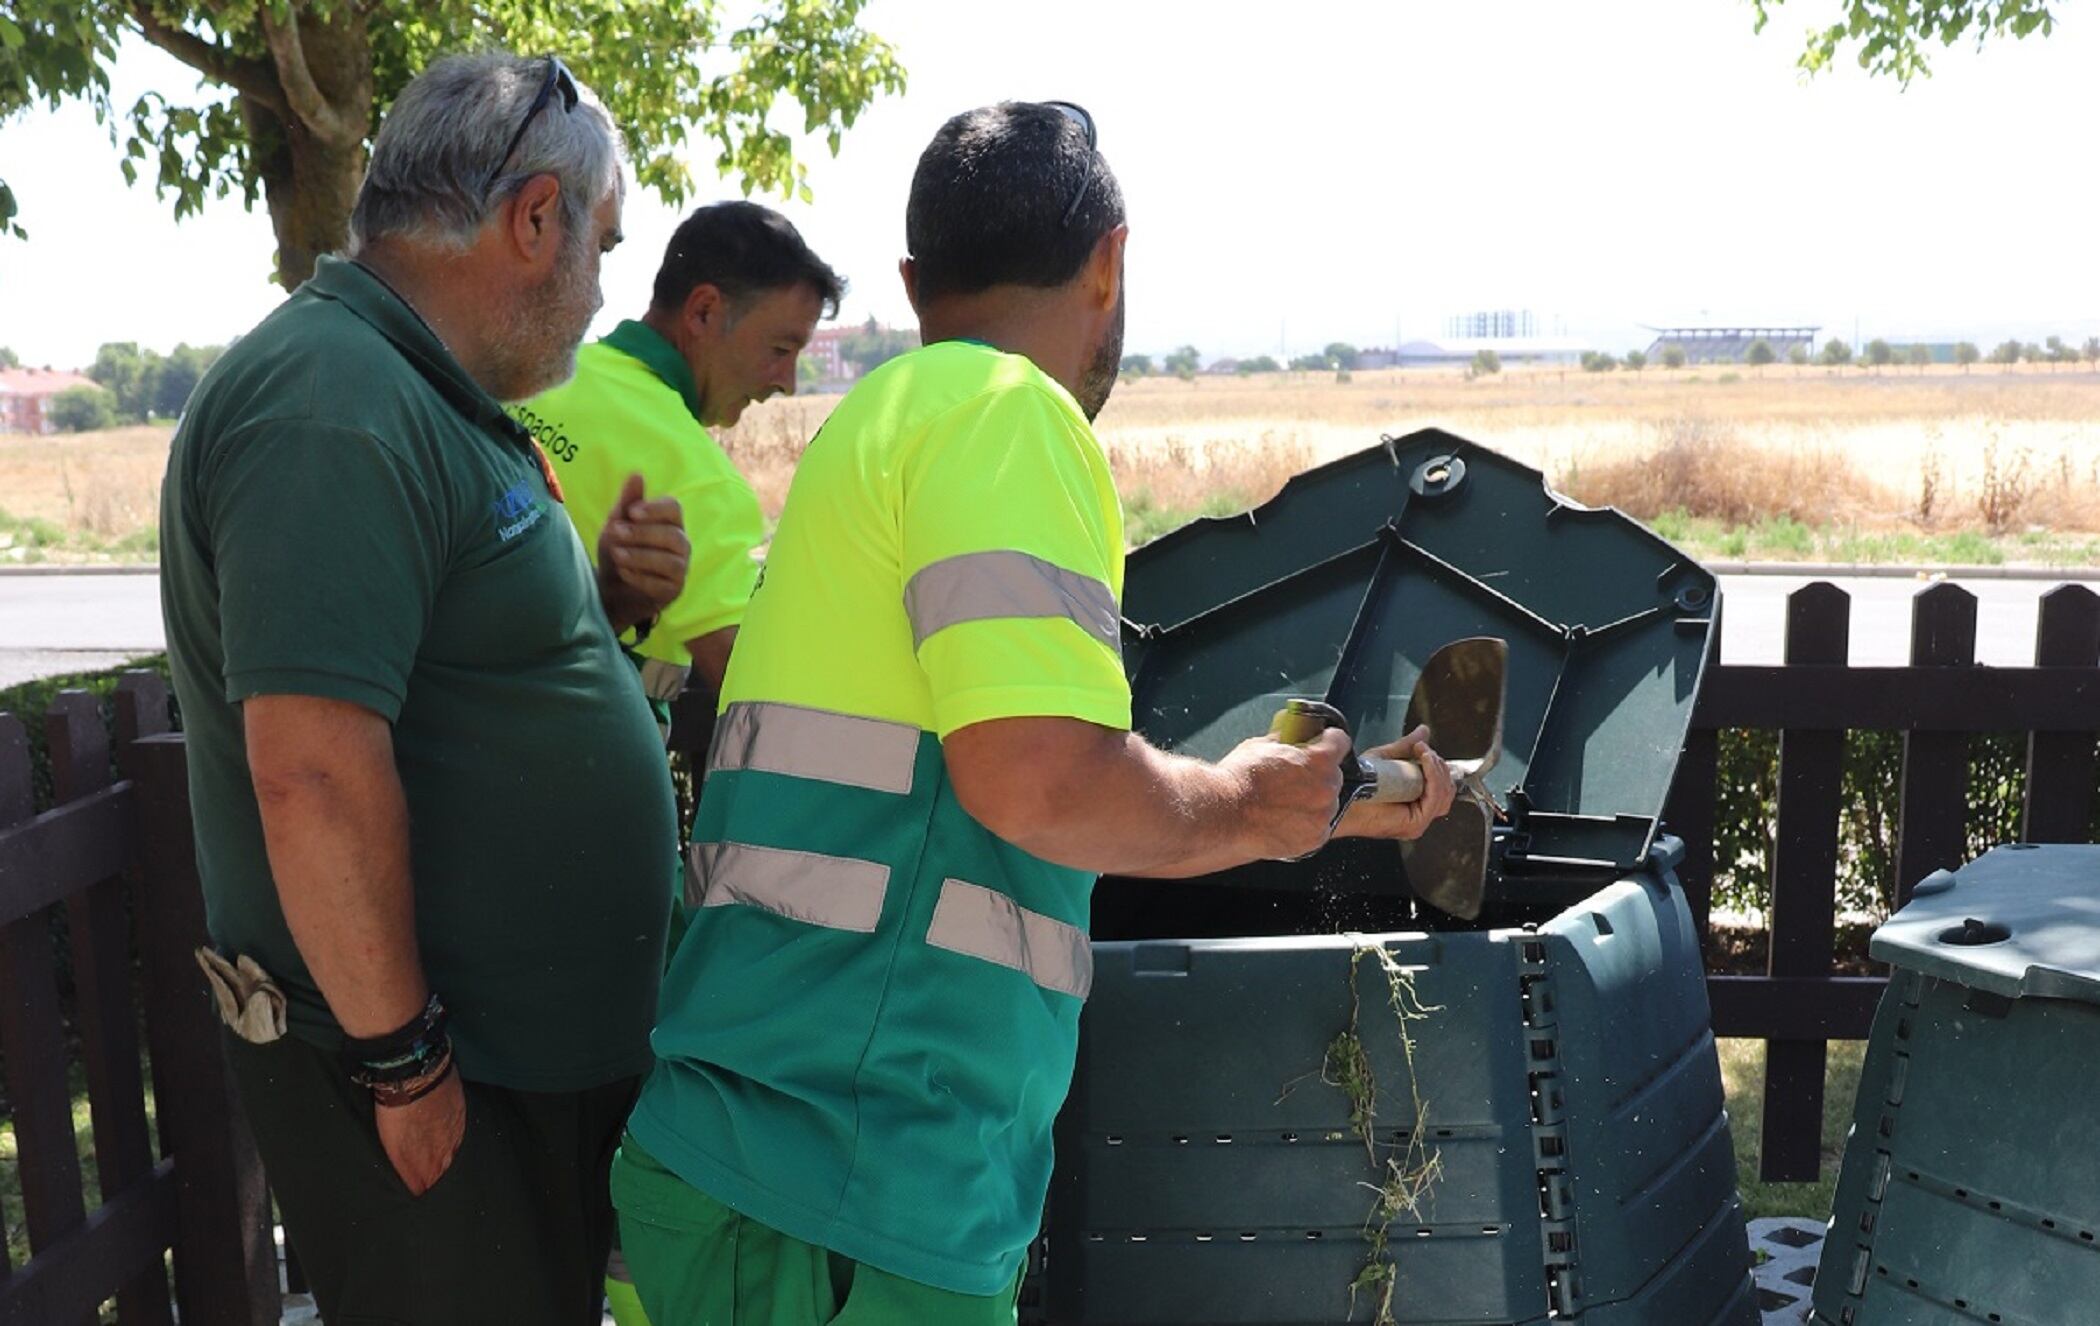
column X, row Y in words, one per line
column 52, row 624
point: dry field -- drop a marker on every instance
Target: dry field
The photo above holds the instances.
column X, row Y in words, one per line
column 91, row 497
column 1899, row 454
column 1933, row 453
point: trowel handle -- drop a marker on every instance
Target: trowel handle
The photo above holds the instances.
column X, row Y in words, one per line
column 1364, row 777
column 1392, row 780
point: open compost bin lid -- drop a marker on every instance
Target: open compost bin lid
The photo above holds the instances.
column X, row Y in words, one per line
column 1343, row 585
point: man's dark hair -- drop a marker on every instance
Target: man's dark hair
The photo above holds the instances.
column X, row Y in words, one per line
column 991, row 198
column 741, row 249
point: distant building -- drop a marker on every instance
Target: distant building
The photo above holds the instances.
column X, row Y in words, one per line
column 1729, row 345
column 1225, row 367
column 1526, row 350
column 1500, row 324
column 825, row 350
column 25, row 397
column 1377, row 356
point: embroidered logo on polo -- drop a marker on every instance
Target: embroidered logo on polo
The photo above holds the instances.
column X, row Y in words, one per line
column 517, row 511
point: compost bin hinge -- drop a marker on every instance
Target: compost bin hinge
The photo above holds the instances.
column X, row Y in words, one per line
column 1549, row 1129
column 1909, row 988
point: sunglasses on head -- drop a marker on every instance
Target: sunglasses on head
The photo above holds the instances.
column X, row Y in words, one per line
column 1078, row 115
column 558, row 79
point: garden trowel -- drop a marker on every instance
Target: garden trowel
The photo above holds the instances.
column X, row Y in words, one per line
column 1459, row 697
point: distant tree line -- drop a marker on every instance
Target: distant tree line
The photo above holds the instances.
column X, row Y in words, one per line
column 132, row 385
column 1876, row 354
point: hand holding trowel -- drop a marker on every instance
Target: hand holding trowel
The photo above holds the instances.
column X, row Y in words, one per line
column 1459, row 697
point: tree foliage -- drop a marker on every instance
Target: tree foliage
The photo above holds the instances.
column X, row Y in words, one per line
column 1486, row 363
column 1342, row 355
column 1836, row 353
column 1878, row 353
column 1673, row 355
column 1184, row 363
column 1258, row 364
column 1892, row 35
column 2008, row 352
column 1597, row 361
column 292, row 90
column 82, row 410
column 1760, row 353
column 144, row 384
column 875, row 345
column 1310, row 364
column 1635, row 360
column 1919, row 355
column 1966, row 353
column 1137, row 366
column 8, row 358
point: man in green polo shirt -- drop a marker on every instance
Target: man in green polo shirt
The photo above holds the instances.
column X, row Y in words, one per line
column 735, row 301
column 922, row 761
column 432, row 816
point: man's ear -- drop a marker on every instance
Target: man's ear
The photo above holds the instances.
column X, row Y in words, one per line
column 1104, row 273
column 535, row 220
column 908, row 272
column 705, row 307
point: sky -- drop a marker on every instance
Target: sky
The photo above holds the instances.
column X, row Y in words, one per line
column 1299, row 174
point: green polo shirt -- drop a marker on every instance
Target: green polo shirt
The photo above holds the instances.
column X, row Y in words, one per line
column 346, row 514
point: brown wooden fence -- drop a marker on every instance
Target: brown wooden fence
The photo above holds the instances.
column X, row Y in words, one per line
column 1812, row 700
column 116, row 859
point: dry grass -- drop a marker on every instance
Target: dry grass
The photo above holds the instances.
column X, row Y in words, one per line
column 1938, row 451
column 104, row 484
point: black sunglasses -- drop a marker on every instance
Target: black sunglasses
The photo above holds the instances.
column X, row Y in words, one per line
column 558, row 79
column 1077, row 114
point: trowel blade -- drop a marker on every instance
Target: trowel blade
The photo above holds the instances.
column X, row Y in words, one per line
column 1447, row 866
column 1460, row 697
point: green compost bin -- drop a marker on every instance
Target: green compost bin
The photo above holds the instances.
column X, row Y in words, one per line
column 1563, row 1085
column 1970, row 1190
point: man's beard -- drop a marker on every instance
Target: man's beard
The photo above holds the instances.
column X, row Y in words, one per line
column 535, row 347
column 1100, row 376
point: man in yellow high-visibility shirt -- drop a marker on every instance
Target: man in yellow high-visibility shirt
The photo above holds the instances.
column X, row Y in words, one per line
column 923, row 760
column 736, row 300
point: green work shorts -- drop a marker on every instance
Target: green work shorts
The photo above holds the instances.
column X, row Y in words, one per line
column 695, row 1262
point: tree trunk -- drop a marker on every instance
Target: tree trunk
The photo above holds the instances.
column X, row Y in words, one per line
column 311, row 165
column 310, row 187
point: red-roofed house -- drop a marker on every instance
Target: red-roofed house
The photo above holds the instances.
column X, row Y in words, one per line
column 25, row 397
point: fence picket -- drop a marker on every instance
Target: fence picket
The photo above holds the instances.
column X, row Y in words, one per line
column 2060, row 765
column 1804, row 901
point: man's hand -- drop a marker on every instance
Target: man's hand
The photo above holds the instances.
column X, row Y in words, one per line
column 1369, row 819
column 1290, row 793
column 422, row 1137
column 642, row 556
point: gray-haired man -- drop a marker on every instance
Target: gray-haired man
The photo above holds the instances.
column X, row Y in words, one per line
column 431, row 804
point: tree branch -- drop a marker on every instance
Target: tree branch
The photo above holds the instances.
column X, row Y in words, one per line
column 250, row 78
column 300, row 91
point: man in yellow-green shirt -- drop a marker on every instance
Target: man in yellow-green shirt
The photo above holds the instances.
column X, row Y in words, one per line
column 735, row 301
column 922, row 761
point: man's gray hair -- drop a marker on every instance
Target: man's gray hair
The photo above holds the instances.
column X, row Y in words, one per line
column 430, row 175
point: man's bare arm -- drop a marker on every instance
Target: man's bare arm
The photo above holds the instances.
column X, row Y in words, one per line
column 1104, row 800
column 335, row 821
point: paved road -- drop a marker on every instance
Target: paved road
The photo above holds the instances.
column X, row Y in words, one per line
column 52, row 624
column 61, row 623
